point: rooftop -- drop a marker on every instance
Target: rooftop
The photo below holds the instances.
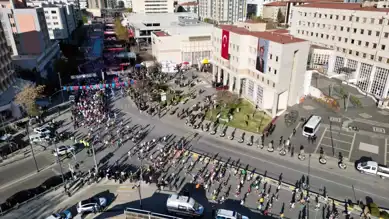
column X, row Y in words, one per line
column 161, row 33
column 269, row 35
column 280, row 31
column 343, row 6
column 189, row 4
column 277, row 4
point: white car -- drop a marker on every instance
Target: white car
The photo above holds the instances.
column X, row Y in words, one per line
column 42, row 130
column 63, row 150
column 94, row 204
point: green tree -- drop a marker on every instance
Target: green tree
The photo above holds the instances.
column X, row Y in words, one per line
column 280, row 17
column 27, row 98
column 84, row 19
column 129, row 10
column 120, row 30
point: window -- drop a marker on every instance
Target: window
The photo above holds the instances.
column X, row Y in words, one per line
column 362, row 31
column 275, row 71
column 357, row 53
column 379, row 58
column 276, row 58
column 377, row 33
column 344, row 17
column 372, row 57
column 348, row 29
column 54, row 17
column 364, row 20
column 341, row 28
column 269, row 69
column 350, row 52
column 359, row 42
column 369, row 32
column 380, row 21
column 54, row 12
column 386, row 35
column 355, row 30
column 337, row 17
column 350, row 18
column 366, row 44
column 46, row 12
column 372, row 20
column 357, row 19
column 271, row 56
column 55, row 23
column 383, row 47
column 345, row 40
column 339, row 39
column 374, row 45
column 364, row 55
column 352, row 41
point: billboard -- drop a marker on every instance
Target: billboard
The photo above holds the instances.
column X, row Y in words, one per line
column 262, row 51
column 225, row 44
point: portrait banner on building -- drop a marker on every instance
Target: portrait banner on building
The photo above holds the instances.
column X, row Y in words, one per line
column 262, row 51
column 225, row 44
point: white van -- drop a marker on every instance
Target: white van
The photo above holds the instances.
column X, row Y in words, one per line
column 184, row 205
column 228, row 214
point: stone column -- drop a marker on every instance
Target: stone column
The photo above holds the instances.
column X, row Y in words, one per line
column 225, row 78
column 214, row 72
column 232, row 83
column 371, row 79
column 219, row 74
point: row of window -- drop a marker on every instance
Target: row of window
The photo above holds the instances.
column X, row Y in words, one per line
column 347, row 29
column 53, row 17
column 362, row 54
column 52, row 11
column 364, row 20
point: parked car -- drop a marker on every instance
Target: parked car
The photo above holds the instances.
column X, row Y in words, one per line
column 93, row 204
column 63, row 150
column 36, row 138
column 62, row 215
column 42, row 130
column 19, row 197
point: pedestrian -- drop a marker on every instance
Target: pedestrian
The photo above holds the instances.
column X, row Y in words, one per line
column 294, row 131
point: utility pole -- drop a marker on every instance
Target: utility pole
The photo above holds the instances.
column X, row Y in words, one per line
column 332, row 140
column 94, row 158
column 32, row 150
column 60, row 86
column 347, row 102
column 308, row 189
column 140, row 182
column 60, row 165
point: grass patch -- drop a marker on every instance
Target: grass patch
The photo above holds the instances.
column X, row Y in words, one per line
column 254, row 124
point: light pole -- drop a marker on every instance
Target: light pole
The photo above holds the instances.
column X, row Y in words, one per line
column 32, row 150
column 94, row 157
column 60, row 86
column 60, row 165
column 139, row 183
column 308, row 189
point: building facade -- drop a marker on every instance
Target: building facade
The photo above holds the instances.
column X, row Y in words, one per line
column 190, row 42
column 265, row 67
column 7, row 76
column 359, row 37
column 256, row 7
column 27, row 37
column 60, row 20
column 153, row 6
column 223, row 11
column 96, row 4
column 270, row 11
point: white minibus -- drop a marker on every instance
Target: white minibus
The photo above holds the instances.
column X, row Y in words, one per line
column 311, row 126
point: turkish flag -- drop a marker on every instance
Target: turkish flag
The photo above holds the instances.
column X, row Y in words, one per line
column 225, row 43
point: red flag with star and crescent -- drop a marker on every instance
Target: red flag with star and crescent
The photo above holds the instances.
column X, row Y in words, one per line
column 225, row 43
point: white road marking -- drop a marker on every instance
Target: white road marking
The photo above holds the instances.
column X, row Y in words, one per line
column 335, row 119
column 386, row 151
column 329, row 146
column 321, row 139
column 304, row 172
column 347, row 142
column 371, row 148
column 379, row 130
column 352, row 146
column 55, row 171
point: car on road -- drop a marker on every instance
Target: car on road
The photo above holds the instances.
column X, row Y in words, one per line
column 228, row 214
column 94, row 204
column 62, row 215
column 42, row 130
column 36, row 138
column 63, row 150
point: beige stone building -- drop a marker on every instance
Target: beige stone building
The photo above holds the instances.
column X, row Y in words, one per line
column 270, row 10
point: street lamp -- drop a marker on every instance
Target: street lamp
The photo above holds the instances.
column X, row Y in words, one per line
column 60, row 165
column 139, row 183
column 32, row 150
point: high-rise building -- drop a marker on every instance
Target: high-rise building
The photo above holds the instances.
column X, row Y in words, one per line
column 358, row 34
column 153, row 6
column 60, row 20
column 28, row 38
column 223, row 11
column 7, row 76
column 93, row 4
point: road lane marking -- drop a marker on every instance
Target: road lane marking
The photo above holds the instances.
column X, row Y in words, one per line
column 338, row 132
column 386, row 151
column 347, row 142
column 379, row 130
column 304, row 172
column 321, row 139
column 352, row 146
column 297, row 126
column 336, row 148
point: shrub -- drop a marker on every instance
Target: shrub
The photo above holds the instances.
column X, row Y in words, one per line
column 374, row 209
column 384, row 215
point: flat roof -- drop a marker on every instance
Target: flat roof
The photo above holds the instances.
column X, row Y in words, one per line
column 278, row 4
column 138, row 21
column 268, row 35
column 343, row 6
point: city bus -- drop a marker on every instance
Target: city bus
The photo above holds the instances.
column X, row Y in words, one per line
column 311, row 126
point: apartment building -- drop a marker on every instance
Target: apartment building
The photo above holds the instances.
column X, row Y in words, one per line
column 266, row 67
column 60, row 20
column 270, row 10
column 96, row 4
column 256, row 7
column 27, row 37
column 7, row 76
column 223, row 11
column 358, row 35
column 153, row 6
column 127, row 3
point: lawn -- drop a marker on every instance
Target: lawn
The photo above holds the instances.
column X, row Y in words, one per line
column 240, row 120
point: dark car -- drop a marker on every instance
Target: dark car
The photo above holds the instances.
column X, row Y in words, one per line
column 19, row 197
column 53, row 182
